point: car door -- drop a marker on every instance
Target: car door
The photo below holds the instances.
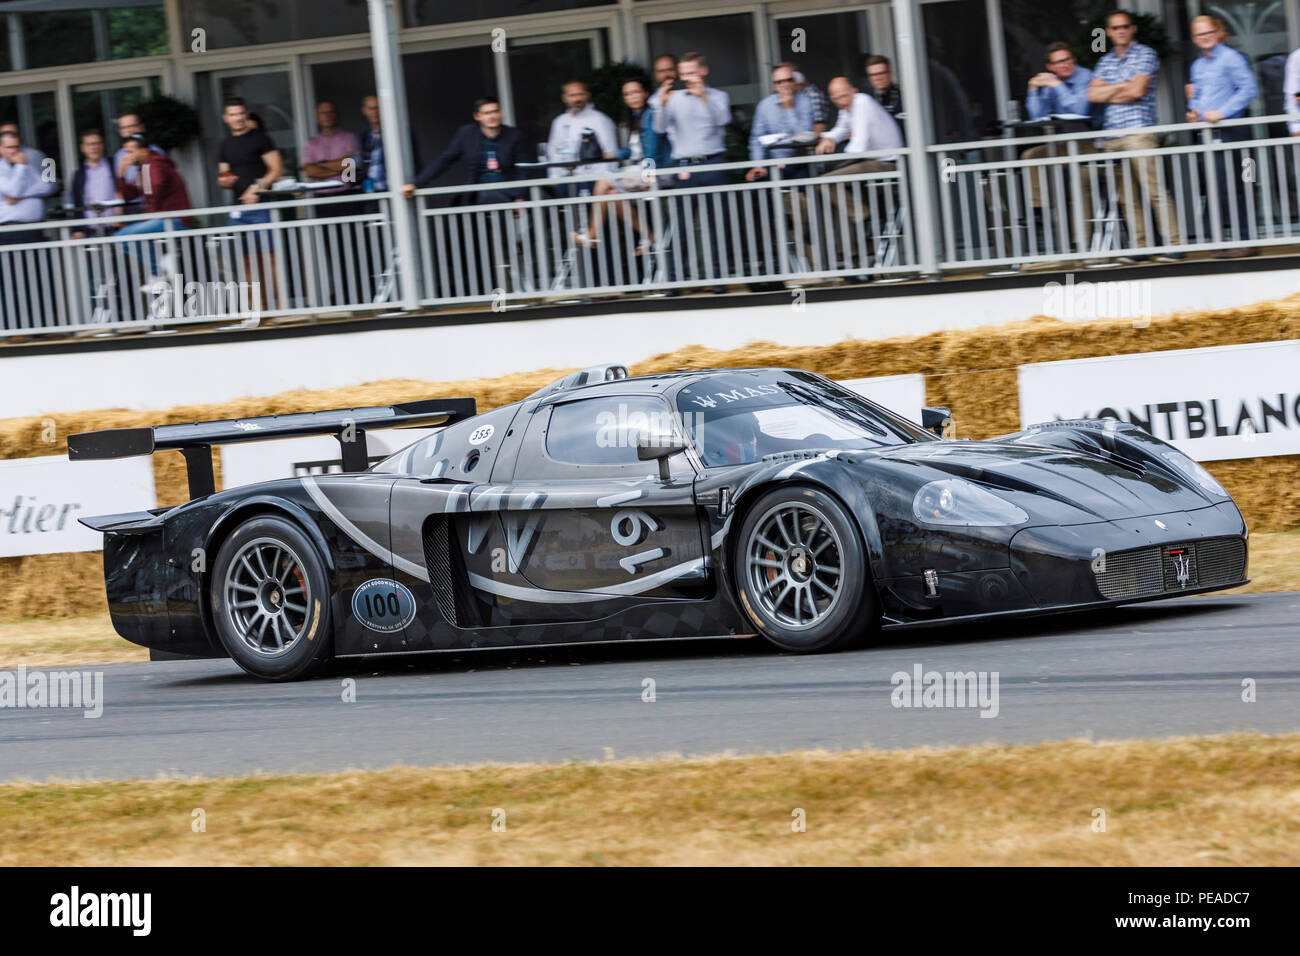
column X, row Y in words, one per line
column 584, row 524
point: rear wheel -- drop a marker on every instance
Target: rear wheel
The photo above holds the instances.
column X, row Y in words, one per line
column 269, row 596
column 802, row 571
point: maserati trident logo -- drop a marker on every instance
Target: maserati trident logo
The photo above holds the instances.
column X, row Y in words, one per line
column 1182, row 568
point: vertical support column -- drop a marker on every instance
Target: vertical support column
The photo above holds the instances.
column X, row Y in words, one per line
column 998, row 49
column 17, row 50
column 68, row 144
column 501, row 72
column 99, row 28
column 911, row 67
column 624, row 39
column 390, row 87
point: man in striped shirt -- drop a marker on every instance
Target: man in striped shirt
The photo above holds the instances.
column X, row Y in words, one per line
column 1125, row 82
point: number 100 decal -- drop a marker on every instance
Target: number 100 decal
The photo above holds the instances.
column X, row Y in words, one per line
column 384, row 605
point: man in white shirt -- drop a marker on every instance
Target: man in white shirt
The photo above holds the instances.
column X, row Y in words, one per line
column 1291, row 92
column 22, row 187
column 579, row 119
column 865, row 124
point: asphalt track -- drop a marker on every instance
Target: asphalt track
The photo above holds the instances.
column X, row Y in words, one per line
column 1152, row 670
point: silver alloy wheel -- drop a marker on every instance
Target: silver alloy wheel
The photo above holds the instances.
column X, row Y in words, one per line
column 793, row 564
column 267, row 596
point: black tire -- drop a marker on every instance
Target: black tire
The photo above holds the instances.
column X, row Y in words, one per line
column 786, row 590
column 254, row 606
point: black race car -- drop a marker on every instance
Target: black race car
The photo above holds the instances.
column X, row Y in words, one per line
column 682, row 505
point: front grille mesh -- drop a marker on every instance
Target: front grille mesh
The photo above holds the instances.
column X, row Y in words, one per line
column 1131, row 574
column 1156, row 570
column 1221, row 560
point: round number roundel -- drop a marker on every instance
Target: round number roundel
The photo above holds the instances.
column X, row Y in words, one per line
column 481, row 434
column 384, row 605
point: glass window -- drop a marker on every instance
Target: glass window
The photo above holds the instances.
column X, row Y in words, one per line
column 961, row 71
column 345, row 83
column 603, row 431
column 104, row 31
column 537, row 73
column 839, row 41
column 426, row 12
column 225, row 24
column 727, row 43
column 96, row 106
column 739, row 417
column 438, row 110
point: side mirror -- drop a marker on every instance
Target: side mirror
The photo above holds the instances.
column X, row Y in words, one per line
column 935, row 419
column 659, row 446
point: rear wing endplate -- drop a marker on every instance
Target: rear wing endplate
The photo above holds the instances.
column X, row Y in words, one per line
column 195, row 440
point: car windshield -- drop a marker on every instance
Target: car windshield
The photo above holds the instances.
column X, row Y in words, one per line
column 740, row 417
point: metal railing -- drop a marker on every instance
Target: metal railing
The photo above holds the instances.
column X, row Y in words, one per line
column 648, row 232
column 655, row 232
column 314, row 256
column 1086, row 199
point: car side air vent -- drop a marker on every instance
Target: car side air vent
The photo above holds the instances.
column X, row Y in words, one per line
column 442, row 559
column 800, row 455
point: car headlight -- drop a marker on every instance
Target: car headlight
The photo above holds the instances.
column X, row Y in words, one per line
column 1195, row 471
column 955, row 501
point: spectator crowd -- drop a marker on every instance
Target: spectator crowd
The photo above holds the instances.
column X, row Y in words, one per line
column 673, row 122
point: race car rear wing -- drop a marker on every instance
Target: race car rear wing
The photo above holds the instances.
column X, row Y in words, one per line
column 195, row 440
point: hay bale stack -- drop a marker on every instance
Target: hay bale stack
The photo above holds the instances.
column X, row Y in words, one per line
column 972, row 371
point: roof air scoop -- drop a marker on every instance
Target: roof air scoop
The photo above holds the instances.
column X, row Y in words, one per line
column 587, row 376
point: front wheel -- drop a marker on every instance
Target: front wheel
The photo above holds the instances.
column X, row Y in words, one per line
column 269, row 596
column 802, row 572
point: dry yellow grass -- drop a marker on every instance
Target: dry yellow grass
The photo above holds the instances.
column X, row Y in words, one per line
column 1231, row 800
column 1274, row 562
column 52, row 642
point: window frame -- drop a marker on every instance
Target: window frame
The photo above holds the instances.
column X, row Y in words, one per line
column 536, row 459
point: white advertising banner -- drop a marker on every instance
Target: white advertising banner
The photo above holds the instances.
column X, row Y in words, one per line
column 247, row 463
column 1235, row 401
column 902, row 394
column 42, row 498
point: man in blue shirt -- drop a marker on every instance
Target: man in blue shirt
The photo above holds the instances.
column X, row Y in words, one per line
column 1223, row 85
column 1061, row 89
column 1125, row 82
column 695, row 119
column 783, row 114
